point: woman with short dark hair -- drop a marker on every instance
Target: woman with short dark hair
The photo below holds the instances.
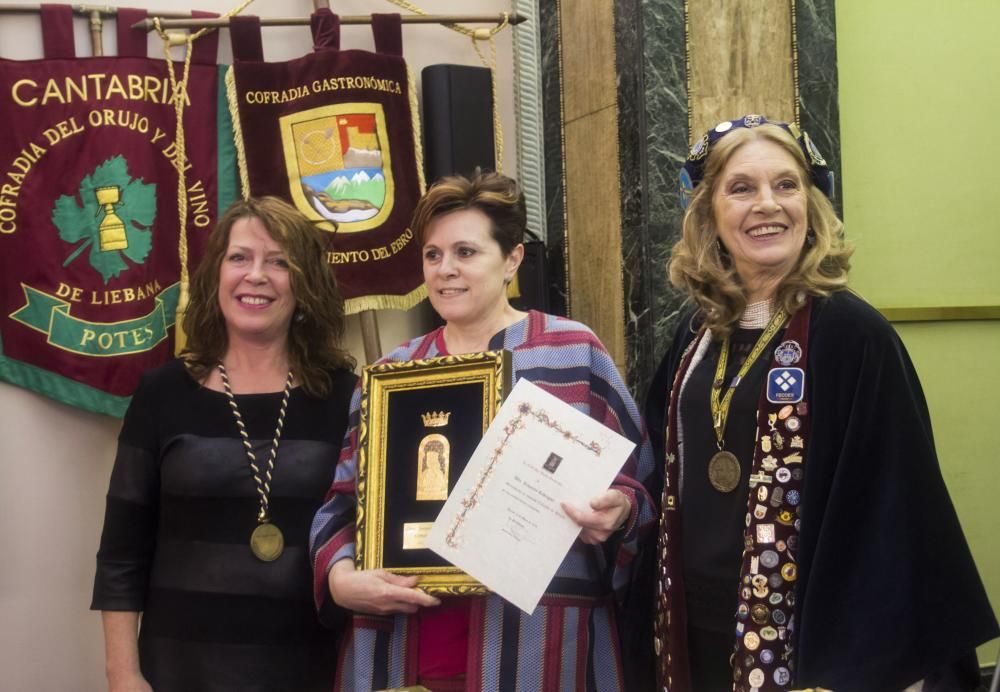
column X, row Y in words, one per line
column 471, row 230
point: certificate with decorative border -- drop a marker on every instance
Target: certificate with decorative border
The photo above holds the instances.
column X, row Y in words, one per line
column 421, row 421
column 503, row 522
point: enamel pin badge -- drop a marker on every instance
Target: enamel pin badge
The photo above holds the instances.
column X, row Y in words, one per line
column 785, row 385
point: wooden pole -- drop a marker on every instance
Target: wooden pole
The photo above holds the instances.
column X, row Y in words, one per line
column 370, row 336
column 83, row 10
column 96, row 37
column 197, row 23
column 184, row 20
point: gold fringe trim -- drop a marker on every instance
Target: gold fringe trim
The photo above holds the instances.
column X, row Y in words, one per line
column 795, row 64
column 418, row 136
column 385, row 302
column 687, row 74
column 562, row 161
column 234, row 115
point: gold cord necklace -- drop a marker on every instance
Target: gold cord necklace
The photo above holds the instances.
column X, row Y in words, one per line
column 266, row 541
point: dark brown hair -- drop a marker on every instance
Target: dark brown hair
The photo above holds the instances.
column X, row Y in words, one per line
column 496, row 195
column 318, row 325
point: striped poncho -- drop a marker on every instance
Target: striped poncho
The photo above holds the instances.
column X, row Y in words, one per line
column 571, row 641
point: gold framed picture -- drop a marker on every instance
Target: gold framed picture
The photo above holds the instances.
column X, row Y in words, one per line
column 421, row 420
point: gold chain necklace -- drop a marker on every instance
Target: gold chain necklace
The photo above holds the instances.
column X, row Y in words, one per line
column 724, row 468
column 266, row 541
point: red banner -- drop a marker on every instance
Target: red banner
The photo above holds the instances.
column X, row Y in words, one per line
column 333, row 133
column 89, row 265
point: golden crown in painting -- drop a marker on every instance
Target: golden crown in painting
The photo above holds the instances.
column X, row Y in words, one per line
column 435, row 419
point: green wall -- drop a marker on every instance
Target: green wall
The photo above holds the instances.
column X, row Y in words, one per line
column 920, row 129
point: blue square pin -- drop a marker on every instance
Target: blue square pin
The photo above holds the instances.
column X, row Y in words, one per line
column 785, row 385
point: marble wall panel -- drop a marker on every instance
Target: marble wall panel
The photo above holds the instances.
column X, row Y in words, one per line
column 819, row 108
column 555, row 209
column 665, row 140
column 632, row 176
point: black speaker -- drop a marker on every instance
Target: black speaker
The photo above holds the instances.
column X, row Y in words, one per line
column 458, row 138
column 457, row 120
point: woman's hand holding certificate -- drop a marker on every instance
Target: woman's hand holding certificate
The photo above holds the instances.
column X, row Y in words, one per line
column 527, row 491
column 605, row 514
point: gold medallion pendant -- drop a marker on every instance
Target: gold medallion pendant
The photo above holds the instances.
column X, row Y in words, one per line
column 724, row 471
column 724, row 467
column 267, row 542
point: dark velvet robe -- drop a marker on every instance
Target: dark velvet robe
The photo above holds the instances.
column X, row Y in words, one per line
column 887, row 591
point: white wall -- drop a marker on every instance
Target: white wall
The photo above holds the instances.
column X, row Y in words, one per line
column 55, row 461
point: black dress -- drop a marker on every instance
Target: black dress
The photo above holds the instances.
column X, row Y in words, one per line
column 713, row 546
column 181, row 506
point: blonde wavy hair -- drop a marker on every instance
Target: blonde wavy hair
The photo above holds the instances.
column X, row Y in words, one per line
column 317, row 327
column 700, row 267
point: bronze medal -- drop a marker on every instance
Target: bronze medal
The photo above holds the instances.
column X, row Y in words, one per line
column 267, row 542
column 724, row 471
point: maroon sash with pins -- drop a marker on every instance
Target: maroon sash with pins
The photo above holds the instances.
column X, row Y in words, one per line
column 763, row 654
column 334, row 134
column 89, row 222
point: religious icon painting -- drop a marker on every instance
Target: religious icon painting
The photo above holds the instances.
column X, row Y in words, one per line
column 433, row 458
column 427, row 416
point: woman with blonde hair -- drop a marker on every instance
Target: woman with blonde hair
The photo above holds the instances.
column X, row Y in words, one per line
column 806, row 538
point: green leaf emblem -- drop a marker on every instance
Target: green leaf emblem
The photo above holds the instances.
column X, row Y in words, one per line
column 116, row 218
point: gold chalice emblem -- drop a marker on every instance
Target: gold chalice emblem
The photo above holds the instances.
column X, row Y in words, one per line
column 112, row 229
